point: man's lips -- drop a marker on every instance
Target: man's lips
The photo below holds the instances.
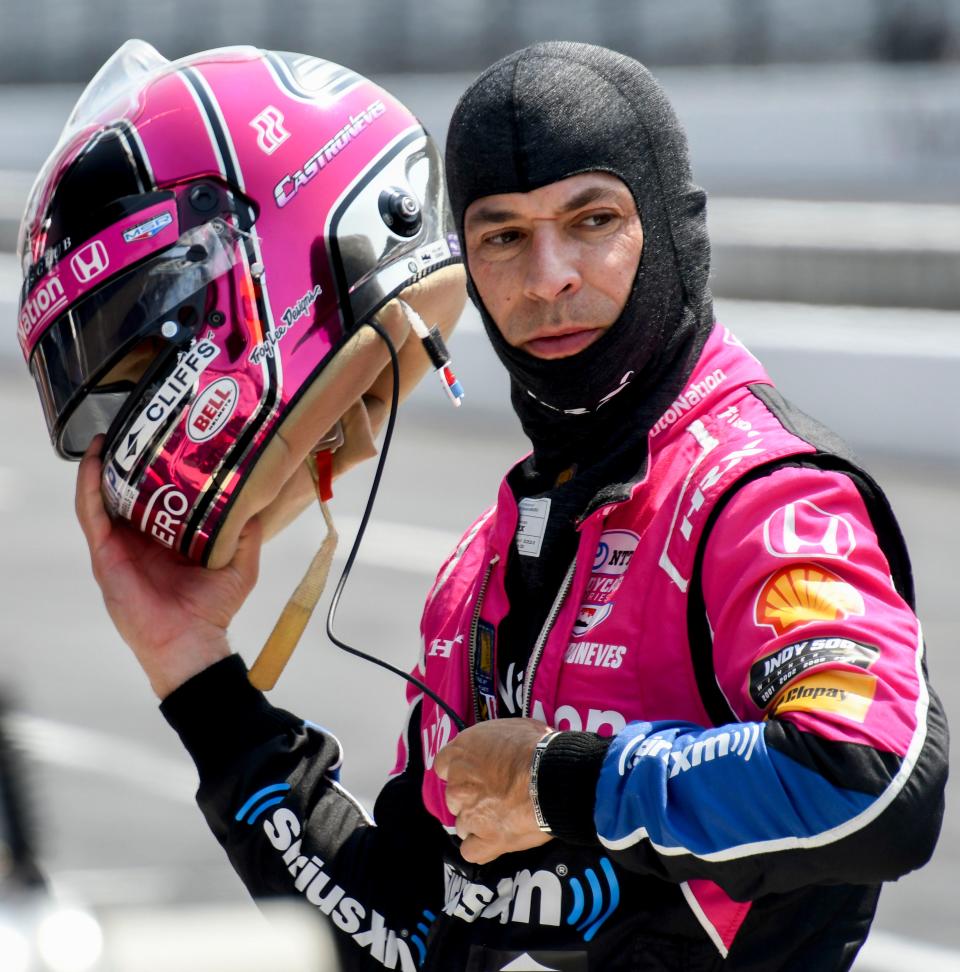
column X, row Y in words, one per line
column 562, row 344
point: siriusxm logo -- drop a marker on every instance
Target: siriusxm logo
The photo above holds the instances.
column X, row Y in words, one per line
column 709, row 746
column 364, row 925
column 539, row 897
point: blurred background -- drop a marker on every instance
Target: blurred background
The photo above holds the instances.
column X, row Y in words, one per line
column 828, row 138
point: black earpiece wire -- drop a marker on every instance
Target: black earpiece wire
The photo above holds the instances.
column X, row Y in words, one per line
column 368, row 509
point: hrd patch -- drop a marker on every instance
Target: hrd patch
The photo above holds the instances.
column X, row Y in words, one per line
column 847, row 694
column 772, row 672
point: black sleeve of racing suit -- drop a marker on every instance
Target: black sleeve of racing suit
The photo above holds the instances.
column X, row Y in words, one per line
column 269, row 792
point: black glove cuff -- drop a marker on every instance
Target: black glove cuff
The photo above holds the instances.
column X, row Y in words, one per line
column 566, row 784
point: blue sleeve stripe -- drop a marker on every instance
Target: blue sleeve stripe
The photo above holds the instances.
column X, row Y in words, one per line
column 709, row 792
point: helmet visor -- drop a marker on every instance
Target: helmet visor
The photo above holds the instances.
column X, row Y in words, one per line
column 90, row 358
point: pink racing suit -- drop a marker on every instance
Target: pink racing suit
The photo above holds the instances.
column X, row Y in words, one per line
column 735, row 650
column 763, row 681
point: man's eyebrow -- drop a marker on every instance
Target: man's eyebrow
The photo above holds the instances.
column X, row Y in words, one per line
column 490, row 214
column 589, row 195
column 493, row 214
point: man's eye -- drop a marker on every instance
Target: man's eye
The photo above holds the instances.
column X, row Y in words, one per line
column 503, row 238
column 597, row 219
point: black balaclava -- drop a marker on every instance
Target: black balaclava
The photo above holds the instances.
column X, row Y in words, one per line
column 555, row 110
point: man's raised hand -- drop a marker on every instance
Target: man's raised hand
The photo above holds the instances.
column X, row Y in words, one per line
column 173, row 613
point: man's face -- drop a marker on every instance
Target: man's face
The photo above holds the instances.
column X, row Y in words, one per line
column 554, row 267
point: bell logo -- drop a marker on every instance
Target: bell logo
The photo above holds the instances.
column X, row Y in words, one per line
column 270, row 131
column 90, row 262
column 804, row 593
column 803, row 528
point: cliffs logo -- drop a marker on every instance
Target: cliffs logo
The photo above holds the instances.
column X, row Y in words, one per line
column 804, row 593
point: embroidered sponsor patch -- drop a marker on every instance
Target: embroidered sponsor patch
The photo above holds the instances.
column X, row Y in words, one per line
column 847, row 694
column 803, row 593
column 615, row 550
column 589, row 617
column 803, row 528
column 769, row 674
column 484, row 670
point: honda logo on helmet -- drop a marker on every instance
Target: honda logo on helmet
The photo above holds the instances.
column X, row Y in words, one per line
column 270, row 131
column 90, row 262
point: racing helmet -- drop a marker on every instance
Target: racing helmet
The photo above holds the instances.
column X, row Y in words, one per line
column 200, row 253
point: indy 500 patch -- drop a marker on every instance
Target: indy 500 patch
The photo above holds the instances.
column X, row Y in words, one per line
column 769, row 674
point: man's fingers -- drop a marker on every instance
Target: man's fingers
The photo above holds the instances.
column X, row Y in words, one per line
column 246, row 559
column 94, row 520
column 476, row 850
column 441, row 765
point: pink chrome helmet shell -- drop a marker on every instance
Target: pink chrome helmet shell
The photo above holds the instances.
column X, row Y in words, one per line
column 273, row 204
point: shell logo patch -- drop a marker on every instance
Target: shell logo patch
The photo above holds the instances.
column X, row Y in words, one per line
column 803, row 593
column 848, row 694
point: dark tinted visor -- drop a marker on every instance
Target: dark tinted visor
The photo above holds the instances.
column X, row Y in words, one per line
column 88, row 342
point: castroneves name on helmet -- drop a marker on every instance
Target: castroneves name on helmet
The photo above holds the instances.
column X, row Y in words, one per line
column 291, row 184
column 368, row 930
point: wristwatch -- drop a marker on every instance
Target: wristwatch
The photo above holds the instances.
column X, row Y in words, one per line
column 538, row 752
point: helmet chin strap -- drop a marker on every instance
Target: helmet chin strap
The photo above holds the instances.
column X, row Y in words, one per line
column 299, row 608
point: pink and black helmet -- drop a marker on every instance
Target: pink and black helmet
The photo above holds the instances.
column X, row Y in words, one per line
column 200, row 253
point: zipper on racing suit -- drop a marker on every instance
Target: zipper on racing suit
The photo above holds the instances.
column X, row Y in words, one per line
column 474, row 626
column 542, row 640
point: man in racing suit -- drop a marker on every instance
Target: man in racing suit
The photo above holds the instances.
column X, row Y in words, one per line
column 699, row 730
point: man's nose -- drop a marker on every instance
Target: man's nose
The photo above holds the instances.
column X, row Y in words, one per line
column 552, row 269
